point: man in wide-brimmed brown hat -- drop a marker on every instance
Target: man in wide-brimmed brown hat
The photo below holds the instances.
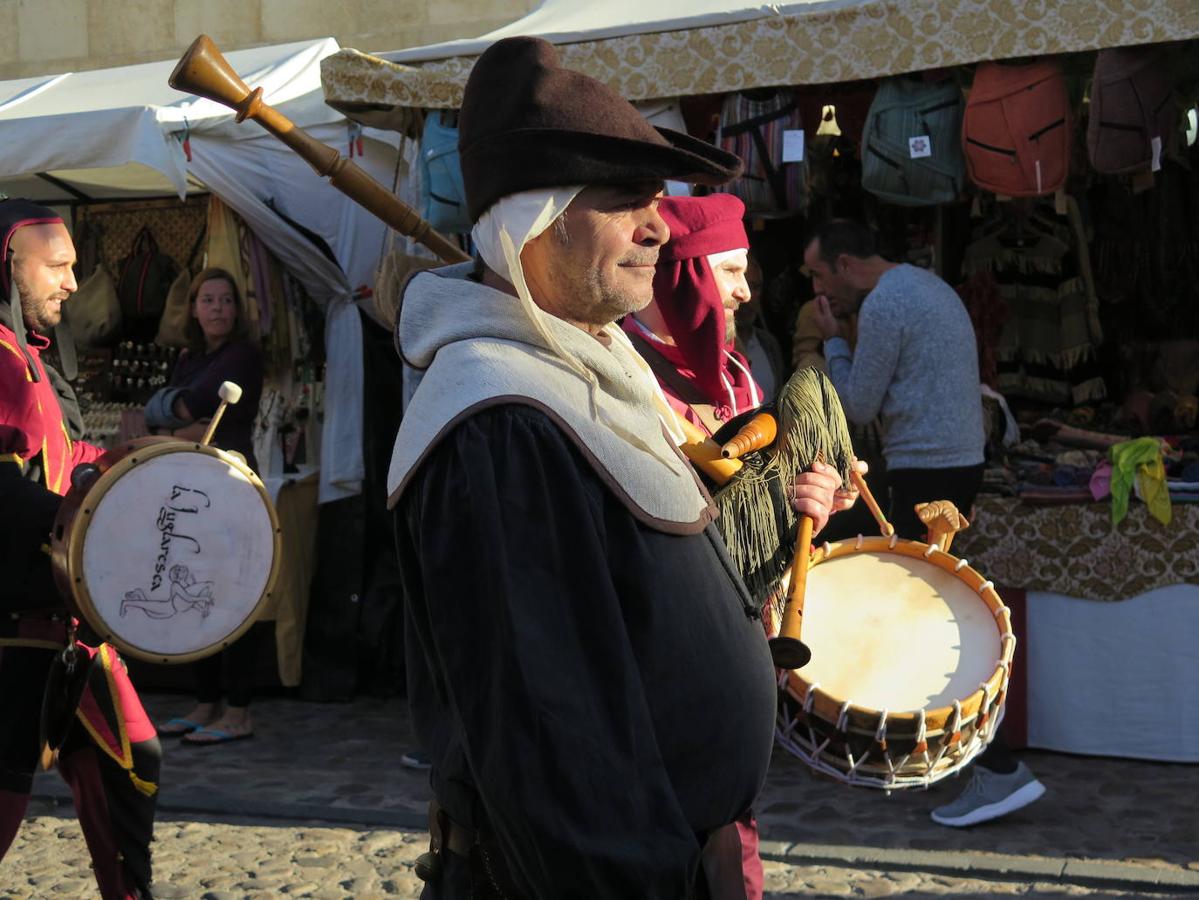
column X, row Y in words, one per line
column 585, row 668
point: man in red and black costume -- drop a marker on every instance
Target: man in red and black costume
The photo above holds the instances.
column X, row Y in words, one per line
column 59, row 697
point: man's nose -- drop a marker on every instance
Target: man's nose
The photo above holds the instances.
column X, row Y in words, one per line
column 68, row 282
column 741, row 291
column 652, row 230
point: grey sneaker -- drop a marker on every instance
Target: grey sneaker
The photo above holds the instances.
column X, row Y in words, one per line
column 990, row 795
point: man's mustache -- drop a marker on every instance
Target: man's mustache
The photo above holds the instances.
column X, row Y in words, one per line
column 650, row 259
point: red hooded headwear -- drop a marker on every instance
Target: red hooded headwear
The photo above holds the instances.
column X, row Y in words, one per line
column 688, row 297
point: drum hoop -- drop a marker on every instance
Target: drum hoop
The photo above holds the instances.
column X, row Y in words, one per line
column 91, row 502
column 865, row 719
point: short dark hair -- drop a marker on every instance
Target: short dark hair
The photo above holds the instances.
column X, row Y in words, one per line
column 838, row 236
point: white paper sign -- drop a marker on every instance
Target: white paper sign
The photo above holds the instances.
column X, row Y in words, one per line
column 793, row 146
column 920, row 146
column 1156, row 165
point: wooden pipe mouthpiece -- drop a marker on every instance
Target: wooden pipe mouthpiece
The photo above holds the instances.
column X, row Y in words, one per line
column 758, row 432
column 789, row 653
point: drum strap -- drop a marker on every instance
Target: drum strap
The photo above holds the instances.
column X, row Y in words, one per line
column 669, row 376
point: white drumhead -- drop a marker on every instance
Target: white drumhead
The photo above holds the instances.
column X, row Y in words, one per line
column 178, row 552
column 896, row 633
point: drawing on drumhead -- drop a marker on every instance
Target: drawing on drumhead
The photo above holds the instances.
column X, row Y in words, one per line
column 186, row 594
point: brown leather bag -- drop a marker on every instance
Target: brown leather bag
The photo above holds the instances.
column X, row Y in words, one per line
column 94, row 310
column 1016, row 129
column 1132, row 109
column 172, row 324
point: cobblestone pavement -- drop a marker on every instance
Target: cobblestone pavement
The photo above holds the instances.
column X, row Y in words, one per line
column 220, row 859
column 318, row 805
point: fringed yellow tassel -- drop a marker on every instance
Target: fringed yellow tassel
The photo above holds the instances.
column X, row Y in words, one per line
column 757, row 521
column 147, row 788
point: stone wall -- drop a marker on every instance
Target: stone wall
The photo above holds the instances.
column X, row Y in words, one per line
column 41, row 37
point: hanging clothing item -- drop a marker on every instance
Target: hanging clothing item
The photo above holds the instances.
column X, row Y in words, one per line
column 224, row 251
column 1047, row 346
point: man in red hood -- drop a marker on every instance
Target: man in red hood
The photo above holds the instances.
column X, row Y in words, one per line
column 109, row 752
column 686, row 334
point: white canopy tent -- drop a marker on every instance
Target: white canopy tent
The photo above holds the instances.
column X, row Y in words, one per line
column 678, row 47
column 118, row 133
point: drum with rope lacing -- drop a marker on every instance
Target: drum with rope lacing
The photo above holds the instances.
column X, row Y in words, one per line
column 911, row 655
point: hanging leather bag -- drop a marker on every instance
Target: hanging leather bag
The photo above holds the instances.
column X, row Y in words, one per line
column 1016, row 129
column 142, row 285
column 94, row 312
column 172, row 326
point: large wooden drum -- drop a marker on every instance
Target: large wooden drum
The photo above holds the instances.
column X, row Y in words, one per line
column 168, row 550
column 911, row 654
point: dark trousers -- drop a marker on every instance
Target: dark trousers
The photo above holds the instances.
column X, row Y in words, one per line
column 230, row 673
column 960, row 486
column 116, row 818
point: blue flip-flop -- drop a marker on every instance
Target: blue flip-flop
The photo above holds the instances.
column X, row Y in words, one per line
column 178, row 726
column 217, row 737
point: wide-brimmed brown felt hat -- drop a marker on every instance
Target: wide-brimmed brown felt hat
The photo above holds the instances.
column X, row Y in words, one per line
column 528, row 123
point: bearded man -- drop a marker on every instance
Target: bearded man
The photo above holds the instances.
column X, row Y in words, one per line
column 109, row 753
column 585, row 669
column 687, row 332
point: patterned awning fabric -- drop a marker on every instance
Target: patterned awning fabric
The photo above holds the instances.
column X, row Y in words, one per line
column 869, row 39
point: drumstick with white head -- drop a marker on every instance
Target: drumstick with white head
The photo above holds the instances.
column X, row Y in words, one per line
column 229, row 392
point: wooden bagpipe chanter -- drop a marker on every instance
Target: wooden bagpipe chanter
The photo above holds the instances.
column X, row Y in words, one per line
column 910, row 648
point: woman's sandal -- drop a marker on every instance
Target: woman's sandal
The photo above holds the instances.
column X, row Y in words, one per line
column 177, row 727
column 210, row 737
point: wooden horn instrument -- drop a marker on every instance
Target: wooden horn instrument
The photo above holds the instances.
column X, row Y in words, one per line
column 758, row 432
column 203, row 71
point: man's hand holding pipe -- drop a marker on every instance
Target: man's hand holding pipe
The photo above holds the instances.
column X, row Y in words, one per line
column 819, row 493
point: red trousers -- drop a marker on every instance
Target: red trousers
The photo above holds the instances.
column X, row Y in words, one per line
column 751, row 863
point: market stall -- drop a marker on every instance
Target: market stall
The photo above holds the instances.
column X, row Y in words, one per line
column 155, row 185
column 1072, row 308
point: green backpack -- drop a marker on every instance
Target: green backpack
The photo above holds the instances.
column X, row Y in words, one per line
column 911, row 145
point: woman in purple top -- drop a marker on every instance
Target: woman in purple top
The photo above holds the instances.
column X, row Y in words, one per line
column 219, row 349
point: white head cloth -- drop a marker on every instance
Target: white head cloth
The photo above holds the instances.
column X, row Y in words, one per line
column 715, row 259
column 502, row 233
